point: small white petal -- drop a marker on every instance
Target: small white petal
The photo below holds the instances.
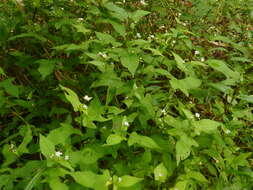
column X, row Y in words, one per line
column 58, row 153
column 196, row 52
column 202, row 59
column 197, row 115
column 174, row 41
column 120, row 179
column 85, row 106
column 87, row 98
column 163, row 111
column 126, row 123
column 227, row 131
column 138, row 35
column 66, row 157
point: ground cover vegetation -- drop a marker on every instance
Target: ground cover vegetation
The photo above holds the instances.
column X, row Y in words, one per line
column 116, row 95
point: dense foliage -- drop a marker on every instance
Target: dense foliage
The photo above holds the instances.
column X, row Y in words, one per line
column 104, row 94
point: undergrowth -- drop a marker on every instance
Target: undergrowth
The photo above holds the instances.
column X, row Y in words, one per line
column 104, row 94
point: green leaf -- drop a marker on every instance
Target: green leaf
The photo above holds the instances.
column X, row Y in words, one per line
column 118, row 27
column 180, row 62
column 183, row 147
column 26, row 132
column 197, row 176
column 128, row 181
column 91, row 180
column 223, row 68
column 72, row 98
column 206, row 126
column 107, row 39
column 114, row 139
column 46, row 146
column 137, row 15
column 9, row 87
column 246, row 98
column 143, row 141
column 62, row 134
column 117, row 11
column 56, row 184
column 160, row 173
column 130, row 61
column 46, row 67
column 2, row 72
column 80, row 28
column 185, row 84
column 27, row 35
column 34, row 180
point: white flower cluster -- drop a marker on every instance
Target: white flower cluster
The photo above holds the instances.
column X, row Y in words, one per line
column 58, row 154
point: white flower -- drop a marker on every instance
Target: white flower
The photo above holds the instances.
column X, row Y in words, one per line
column 102, row 55
column 174, row 41
column 58, row 153
column 179, row 14
column 196, row 52
column 85, row 106
column 62, row 8
column 227, row 131
column 80, row 19
column 162, row 27
column 202, row 59
column 143, row 2
column 126, row 123
column 184, row 24
column 66, row 157
column 120, row 179
column 163, row 111
column 197, row 115
column 87, row 98
column 138, row 35
column 152, row 36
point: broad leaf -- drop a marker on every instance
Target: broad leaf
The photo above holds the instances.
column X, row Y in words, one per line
column 128, row 181
column 130, row 61
column 160, row 173
column 143, row 141
column 46, row 146
column 72, row 98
